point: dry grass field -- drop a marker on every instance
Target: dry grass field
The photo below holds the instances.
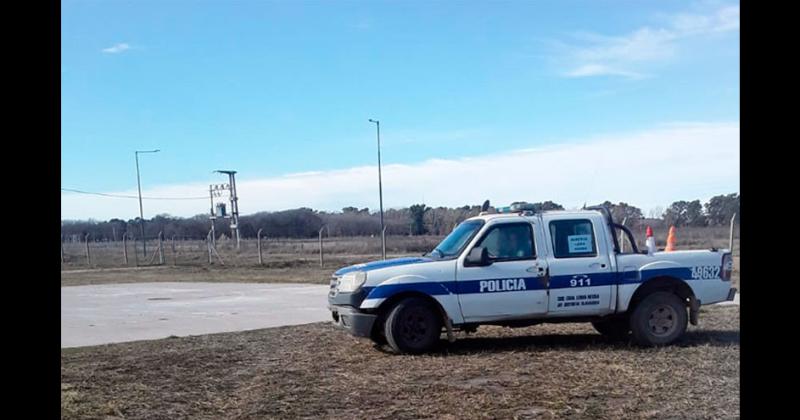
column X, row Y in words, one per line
column 316, row 371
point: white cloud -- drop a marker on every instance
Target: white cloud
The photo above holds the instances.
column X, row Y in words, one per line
column 601, row 55
column 601, row 70
column 116, row 49
column 722, row 20
column 647, row 169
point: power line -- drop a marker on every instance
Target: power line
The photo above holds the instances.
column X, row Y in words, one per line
column 131, row 196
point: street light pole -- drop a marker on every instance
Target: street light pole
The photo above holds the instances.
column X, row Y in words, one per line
column 380, row 189
column 139, row 184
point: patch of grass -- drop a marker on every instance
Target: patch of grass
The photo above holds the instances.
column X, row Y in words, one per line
column 286, row 270
column 546, row 371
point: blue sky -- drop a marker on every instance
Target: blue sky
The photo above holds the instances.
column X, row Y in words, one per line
column 278, row 88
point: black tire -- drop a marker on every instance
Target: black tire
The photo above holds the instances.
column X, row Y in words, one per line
column 617, row 328
column 659, row 319
column 377, row 336
column 413, row 326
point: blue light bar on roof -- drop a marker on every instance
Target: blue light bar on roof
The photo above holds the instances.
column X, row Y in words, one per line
column 517, row 207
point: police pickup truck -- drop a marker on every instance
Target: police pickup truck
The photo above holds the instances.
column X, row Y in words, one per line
column 522, row 268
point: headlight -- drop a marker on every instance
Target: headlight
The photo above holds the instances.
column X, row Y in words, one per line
column 351, row 282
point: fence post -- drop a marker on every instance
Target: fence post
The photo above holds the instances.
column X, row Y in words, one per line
column 62, row 249
column 321, row 260
column 135, row 252
column 383, row 241
column 174, row 252
column 258, row 236
column 161, row 248
column 208, row 246
column 88, row 256
column 213, row 249
column 125, row 247
column 730, row 246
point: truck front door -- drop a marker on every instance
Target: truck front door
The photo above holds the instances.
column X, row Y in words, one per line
column 581, row 276
column 514, row 285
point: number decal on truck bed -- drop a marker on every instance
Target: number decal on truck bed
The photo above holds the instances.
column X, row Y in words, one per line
column 705, row 272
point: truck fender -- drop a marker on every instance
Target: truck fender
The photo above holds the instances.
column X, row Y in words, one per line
column 443, row 293
column 665, row 283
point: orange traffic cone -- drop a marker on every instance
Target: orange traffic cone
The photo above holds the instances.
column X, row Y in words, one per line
column 670, row 240
column 650, row 242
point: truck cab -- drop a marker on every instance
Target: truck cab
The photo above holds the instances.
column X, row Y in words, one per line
column 519, row 268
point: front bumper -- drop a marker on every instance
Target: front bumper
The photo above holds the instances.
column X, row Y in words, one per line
column 352, row 320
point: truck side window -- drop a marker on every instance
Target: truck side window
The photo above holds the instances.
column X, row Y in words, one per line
column 507, row 242
column 573, row 238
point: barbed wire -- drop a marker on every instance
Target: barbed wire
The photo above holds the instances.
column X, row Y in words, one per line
column 130, row 196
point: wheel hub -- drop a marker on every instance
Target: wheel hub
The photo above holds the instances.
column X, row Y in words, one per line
column 663, row 320
column 414, row 327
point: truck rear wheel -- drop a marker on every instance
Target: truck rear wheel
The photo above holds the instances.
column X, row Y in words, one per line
column 617, row 328
column 413, row 326
column 659, row 319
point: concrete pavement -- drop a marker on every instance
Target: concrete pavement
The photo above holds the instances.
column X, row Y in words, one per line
column 113, row 313
column 735, row 301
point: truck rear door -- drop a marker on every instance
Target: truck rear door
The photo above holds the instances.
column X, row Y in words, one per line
column 581, row 273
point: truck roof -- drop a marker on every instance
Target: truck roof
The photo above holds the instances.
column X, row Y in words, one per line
column 492, row 216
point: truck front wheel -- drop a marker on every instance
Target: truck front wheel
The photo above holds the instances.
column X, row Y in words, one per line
column 413, row 326
column 659, row 319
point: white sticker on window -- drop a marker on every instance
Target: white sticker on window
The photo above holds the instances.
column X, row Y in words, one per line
column 579, row 244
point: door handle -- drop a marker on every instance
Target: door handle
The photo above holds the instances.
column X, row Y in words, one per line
column 539, row 270
column 596, row 265
column 544, row 277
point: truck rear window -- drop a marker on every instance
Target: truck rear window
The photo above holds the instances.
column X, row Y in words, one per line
column 573, row 238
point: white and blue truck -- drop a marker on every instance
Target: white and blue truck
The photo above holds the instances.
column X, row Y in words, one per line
column 520, row 268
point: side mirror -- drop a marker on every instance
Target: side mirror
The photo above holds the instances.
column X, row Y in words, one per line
column 478, row 257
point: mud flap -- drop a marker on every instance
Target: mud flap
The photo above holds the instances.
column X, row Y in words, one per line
column 448, row 324
column 694, row 310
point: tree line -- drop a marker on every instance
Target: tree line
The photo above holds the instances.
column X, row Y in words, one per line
column 417, row 219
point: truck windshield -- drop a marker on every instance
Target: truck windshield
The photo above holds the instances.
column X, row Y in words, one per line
column 452, row 245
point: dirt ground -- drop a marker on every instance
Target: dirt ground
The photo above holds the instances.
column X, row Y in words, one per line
column 314, row 370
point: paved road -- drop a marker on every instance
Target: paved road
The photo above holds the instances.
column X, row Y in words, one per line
column 113, row 313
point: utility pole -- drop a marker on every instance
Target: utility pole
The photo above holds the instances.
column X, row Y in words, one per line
column 380, row 189
column 139, row 184
column 211, row 192
column 234, row 205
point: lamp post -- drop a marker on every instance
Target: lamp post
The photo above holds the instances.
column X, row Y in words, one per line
column 139, row 183
column 380, row 189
